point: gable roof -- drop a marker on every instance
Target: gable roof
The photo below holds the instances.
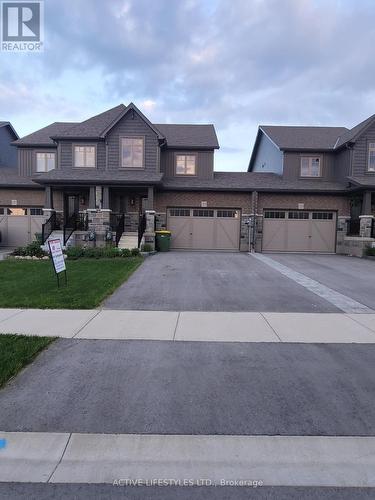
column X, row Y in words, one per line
column 43, row 136
column 295, row 137
column 8, row 124
column 97, row 127
column 189, row 136
column 352, row 134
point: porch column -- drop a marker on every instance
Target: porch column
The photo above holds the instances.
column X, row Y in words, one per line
column 366, row 203
column 105, row 202
column 48, row 199
column 92, row 198
column 150, row 198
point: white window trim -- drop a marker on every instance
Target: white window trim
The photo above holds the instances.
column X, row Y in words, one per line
column 369, row 149
column 84, row 146
column 143, row 138
column 45, row 160
column 195, row 164
column 310, row 158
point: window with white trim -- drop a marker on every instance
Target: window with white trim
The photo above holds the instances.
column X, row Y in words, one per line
column 371, row 157
column 132, row 152
column 310, row 166
column 84, row 156
column 45, row 162
column 185, row 164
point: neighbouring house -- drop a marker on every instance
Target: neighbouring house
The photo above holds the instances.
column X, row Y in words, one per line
column 325, row 195
column 116, row 177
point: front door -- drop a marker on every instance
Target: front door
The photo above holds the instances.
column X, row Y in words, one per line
column 71, row 205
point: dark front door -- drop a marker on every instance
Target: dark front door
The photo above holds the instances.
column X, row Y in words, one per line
column 71, row 205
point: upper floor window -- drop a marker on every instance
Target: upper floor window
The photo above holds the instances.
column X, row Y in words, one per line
column 371, row 157
column 132, row 152
column 185, row 164
column 84, row 156
column 45, row 162
column 310, row 166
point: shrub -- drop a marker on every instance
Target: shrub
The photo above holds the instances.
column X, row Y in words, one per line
column 75, row 253
column 147, row 247
column 134, row 252
column 31, row 250
column 370, row 251
column 125, row 252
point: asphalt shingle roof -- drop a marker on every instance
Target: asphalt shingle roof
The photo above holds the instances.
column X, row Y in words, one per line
column 294, row 137
column 9, row 178
column 42, row 137
column 180, row 136
column 84, row 176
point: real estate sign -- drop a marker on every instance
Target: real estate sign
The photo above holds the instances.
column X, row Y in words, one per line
column 57, row 255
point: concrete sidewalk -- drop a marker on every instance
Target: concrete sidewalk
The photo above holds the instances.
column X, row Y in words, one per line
column 191, row 326
column 267, row 460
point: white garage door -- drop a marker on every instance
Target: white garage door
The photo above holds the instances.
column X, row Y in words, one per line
column 204, row 228
column 299, row 231
column 19, row 228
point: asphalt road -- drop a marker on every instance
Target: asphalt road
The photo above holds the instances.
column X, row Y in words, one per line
column 195, row 388
column 212, row 281
column 108, row 492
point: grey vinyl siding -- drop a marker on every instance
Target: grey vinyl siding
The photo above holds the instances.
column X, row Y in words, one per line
column 268, row 158
column 292, row 165
column 27, row 159
column 132, row 125
column 8, row 153
column 342, row 165
column 67, row 153
column 204, row 165
column 360, row 152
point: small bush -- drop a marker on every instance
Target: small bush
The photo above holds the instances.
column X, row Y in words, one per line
column 147, row 247
column 31, row 250
column 75, row 253
column 134, row 252
column 370, row 251
column 125, row 252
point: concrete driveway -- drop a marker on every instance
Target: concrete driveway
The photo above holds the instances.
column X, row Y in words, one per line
column 212, row 281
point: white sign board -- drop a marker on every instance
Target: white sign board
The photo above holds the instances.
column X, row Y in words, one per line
column 57, row 255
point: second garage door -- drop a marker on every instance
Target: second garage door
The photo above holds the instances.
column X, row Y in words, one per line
column 204, row 228
column 299, row 231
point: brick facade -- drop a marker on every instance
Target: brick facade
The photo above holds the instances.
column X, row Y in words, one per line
column 311, row 202
column 24, row 197
column 214, row 199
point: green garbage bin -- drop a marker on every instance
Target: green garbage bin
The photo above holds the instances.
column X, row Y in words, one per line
column 163, row 241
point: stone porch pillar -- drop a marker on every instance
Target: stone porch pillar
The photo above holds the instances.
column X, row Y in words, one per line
column 366, row 222
column 149, row 234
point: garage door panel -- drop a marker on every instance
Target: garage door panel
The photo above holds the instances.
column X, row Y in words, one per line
column 299, row 231
column 204, row 229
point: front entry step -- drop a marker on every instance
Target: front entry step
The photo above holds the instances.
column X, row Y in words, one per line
column 128, row 240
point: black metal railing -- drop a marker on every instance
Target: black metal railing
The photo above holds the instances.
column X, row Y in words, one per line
column 141, row 228
column 76, row 222
column 118, row 226
column 353, row 227
column 373, row 229
column 49, row 226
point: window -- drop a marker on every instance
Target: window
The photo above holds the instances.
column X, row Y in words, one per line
column 132, row 149
column 45, row 162
column 17, row 211
column 228, row 213
column 185, row 164
column 371, row 157
column 36, row 211
column 84, row 156
column 322, row 215
column 274, row 215
column 310, row 166
column 298, row 215
column 203, row 213
column 179, row 212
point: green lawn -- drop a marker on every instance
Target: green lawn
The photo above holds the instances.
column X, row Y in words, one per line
column 33, row 283
column 16, row 351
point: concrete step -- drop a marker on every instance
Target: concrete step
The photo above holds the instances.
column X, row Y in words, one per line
column 128, row 240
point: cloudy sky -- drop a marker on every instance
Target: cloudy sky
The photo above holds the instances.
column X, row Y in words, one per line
column 234, row 63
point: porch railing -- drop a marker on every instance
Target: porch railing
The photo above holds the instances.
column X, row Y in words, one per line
column 353, row 227
column 48, row 227
column 76, row 222
column 373, row 229
column 118, row 226
column 141, row 228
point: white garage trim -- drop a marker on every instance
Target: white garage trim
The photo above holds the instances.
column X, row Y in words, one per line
column 299, row 231
column 196, row 228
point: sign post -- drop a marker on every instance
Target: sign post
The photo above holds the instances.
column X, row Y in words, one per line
column 57, row 259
